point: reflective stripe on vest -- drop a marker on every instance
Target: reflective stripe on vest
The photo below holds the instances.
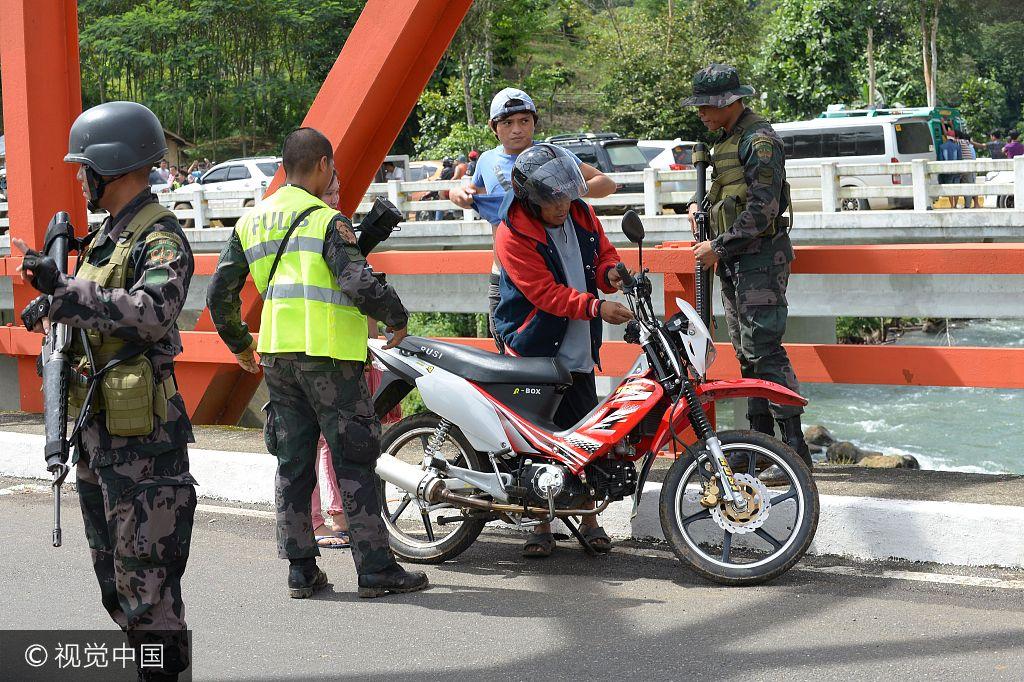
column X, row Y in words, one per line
column 304, row 309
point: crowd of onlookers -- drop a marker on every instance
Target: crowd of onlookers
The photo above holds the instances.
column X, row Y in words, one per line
column 958, row 146
column 176, row 177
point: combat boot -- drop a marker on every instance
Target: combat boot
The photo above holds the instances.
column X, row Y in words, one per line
column 305, row 578
column 394, row 578
column 762, row 423
column 793, row 435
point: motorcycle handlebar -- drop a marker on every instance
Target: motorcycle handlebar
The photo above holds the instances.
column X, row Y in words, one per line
column 628, row 281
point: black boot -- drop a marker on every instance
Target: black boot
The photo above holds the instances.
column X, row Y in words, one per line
column 304, row 578
column 793, row 435
column 762, row 423
column 394, row 578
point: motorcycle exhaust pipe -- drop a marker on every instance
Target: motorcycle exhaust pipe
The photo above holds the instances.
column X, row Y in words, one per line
column 428, row 486
column 424, row 484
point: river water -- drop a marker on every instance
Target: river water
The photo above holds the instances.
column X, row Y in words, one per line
column 952, row 429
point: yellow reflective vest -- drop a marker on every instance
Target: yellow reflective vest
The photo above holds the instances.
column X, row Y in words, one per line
column 304, row 309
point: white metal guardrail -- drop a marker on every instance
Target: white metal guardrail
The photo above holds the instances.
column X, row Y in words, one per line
column 830, row 184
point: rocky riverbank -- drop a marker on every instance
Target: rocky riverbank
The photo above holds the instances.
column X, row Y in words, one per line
column 822, row 442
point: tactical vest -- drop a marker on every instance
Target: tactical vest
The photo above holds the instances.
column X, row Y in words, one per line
column 304, row 309
column 727, row 196
column 127, row 393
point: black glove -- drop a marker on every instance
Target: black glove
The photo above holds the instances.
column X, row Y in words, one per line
column 45, row 274
column 378, row 225
column 35, row 311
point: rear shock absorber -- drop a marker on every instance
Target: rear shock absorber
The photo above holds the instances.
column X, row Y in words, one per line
column 437, row 439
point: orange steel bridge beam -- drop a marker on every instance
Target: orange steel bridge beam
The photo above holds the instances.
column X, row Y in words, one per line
column 42, row 95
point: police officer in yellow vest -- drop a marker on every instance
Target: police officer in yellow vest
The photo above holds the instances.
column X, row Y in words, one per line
column 317, row 291
column 133, row 479
column 750, row 244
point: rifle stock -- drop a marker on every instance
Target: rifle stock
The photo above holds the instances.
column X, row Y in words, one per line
column 703, row 288
column 56, row 364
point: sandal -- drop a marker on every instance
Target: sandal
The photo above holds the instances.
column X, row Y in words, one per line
column 598, row 539
column 339, row 541
column 539, row 545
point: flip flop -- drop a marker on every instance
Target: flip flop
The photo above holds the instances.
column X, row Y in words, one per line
column 598, row 539
column 544, row 544
column 339, row 541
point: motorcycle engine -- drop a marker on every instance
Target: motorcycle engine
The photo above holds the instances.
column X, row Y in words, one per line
column 612, row 477
column 537, row 480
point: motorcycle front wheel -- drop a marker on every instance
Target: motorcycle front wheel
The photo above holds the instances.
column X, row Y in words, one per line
column 756, row 545
column 428, row 534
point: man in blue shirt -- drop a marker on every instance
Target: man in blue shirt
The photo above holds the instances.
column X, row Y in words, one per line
column 513, row 120
column 949, row 150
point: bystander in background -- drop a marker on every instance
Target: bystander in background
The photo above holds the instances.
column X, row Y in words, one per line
column 949, row 150
column 1013, row 148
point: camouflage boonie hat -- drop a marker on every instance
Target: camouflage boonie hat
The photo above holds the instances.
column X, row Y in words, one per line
column 717, row 85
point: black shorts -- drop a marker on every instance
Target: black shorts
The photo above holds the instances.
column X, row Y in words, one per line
column 578, row 401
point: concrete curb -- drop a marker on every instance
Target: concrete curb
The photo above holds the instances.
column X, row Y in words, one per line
column 867, row 528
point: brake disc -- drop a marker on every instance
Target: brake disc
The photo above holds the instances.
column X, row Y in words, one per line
column 753, row 517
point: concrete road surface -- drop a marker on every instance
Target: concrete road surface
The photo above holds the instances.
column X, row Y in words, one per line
column 492, row 615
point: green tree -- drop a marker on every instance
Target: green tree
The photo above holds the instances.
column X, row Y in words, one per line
column 983, row 104
column 810, row 55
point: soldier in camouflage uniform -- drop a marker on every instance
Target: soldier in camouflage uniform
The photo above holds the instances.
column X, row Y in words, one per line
column 751, row 244
column 137, row 495
column 317, row 289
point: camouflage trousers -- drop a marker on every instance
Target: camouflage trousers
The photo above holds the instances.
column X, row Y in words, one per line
column 310, row 396
column 755, row 313
column 138, row 522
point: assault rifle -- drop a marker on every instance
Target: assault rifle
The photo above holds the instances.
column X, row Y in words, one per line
column 702, row 292
column 56, row 370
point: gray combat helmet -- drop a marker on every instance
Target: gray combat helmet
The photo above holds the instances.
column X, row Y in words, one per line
column 115, row 138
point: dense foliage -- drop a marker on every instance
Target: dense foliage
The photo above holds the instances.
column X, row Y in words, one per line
column 235, row 75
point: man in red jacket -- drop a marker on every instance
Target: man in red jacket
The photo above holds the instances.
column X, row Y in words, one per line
column 555, row 260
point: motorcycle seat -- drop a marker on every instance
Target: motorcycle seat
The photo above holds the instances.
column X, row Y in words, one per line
column 483, row 367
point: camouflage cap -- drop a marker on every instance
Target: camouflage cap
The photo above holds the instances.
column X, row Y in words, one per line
column 717, row 85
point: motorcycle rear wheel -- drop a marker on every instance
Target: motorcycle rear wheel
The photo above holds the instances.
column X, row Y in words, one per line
column 754, row 551
column 420, row 537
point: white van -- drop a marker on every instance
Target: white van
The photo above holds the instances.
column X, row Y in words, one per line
column 856, row 139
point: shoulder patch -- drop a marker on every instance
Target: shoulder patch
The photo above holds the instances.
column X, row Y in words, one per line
column 161, row 248
column 344, row 228
column 764, row 148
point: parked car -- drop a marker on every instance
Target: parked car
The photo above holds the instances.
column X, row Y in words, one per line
column 607, row 152
column 236, row 175
column 1001, row 200
column 423, row 170
column 857, row 140
column 674, row 154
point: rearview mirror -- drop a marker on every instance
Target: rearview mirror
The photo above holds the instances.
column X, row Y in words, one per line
column 633, row 227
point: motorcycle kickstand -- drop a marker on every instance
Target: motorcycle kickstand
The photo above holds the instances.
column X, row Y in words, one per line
column 574, row 529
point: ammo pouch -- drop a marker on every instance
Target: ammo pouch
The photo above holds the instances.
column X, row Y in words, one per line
column 127, row 395
column 724, row 212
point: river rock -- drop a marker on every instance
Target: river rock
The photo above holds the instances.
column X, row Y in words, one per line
column 843, row 452
column 818, row 435
column 910, row 462
column 882, row 462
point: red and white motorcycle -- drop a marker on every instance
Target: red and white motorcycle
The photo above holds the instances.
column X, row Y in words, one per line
column 487, row 449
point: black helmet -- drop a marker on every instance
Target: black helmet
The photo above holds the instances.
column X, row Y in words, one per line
column 545, row 173
column 115, row 138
